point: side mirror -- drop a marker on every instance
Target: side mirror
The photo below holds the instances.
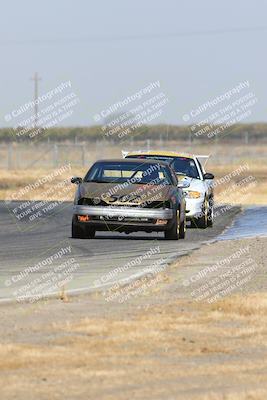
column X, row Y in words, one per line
column 208, row 175
column 76, row 179
column 183, row 185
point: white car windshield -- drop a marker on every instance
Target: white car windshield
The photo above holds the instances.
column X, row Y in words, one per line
column 181, row 165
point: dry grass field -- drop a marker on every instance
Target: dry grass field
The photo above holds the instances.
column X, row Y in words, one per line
column 176, row 351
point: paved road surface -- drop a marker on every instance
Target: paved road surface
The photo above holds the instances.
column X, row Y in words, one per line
column 37, row 257
column 253, row 223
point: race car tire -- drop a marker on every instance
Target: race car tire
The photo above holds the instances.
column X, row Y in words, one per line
column 182, row 228
column 210, row 214
column 202, row 221
column 79, row 231
column 173, row 233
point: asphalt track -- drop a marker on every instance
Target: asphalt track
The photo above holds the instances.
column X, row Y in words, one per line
column 253, row 222
column 28, row 253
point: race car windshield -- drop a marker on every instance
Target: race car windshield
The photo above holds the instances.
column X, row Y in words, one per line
column 133, row 173
column 181, row 165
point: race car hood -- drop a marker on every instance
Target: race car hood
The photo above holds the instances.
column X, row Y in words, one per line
column 112, row 193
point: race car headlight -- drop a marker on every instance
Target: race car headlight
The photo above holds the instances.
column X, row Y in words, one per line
column 191, row 194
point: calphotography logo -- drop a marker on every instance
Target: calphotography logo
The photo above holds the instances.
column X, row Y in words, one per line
column 116, row 274
column 144, row 107
column 223, row 278
column 44, row 277
column 33, row 119
column 36, row 201
column 215, row 117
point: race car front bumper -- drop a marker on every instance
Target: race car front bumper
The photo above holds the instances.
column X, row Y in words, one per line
column 193, row 208
column 125, row 218
column 124, row 212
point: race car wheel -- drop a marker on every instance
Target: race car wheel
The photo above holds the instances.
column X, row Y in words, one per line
column 174, row 232
column 210, row 214
column 202, row 221
column 182, row 228
column 79, row 231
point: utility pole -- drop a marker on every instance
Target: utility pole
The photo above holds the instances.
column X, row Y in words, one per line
column 36, row 79
column 246, row 137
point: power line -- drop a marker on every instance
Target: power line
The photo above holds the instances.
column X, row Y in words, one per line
column 149, row 36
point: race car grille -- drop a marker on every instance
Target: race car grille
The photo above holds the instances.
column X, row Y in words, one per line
column 123, row 219
column 146, row 204
column 157, row 204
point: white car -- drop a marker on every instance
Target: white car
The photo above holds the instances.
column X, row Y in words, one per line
column 189, row 168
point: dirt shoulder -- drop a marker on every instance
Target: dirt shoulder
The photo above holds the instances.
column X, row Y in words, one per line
column 165, row 342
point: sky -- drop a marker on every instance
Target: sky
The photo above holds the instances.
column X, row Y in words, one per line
column 109, row 50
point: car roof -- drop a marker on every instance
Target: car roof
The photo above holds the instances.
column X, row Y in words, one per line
column 130, row 160
column 160, row 153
